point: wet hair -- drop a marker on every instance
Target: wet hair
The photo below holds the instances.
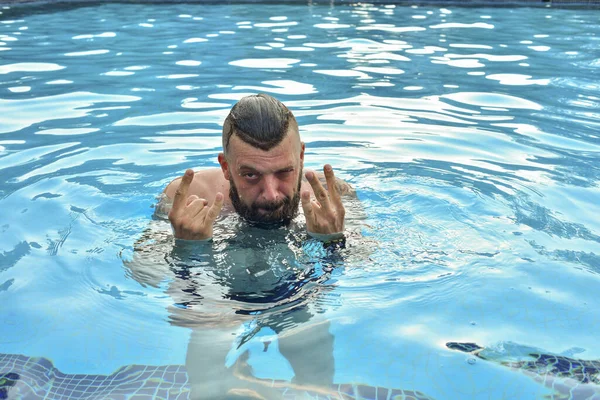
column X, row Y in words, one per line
column 260, row 120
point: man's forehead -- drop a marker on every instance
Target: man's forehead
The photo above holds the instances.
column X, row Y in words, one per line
column 289, row 145
column 276, row 159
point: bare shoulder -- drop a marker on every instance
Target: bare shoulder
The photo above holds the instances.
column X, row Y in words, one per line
column 343, row 187
column 206, row 184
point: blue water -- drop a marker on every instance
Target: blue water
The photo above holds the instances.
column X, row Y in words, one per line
column 470, row 135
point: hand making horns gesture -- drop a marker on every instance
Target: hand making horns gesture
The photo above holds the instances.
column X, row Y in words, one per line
column 190, row 217
column 324, row 214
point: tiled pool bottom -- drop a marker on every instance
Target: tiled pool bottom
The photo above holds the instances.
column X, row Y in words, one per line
column 36, row 378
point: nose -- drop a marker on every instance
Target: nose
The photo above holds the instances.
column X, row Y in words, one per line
column 270, row 190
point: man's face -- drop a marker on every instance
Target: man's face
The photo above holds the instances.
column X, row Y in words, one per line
column 265, row 185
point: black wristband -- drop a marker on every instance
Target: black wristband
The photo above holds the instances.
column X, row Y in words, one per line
column 335, row 244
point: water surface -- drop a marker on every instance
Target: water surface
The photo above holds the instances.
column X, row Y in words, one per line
column 470, row 135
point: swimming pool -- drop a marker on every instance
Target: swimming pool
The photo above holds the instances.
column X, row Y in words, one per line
column 470, row 135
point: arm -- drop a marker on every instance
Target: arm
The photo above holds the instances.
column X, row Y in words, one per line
column 147, row 262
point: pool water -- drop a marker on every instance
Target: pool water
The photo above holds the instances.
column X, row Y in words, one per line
column 471, row 136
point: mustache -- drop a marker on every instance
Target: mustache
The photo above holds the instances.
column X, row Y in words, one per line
column 273, row 205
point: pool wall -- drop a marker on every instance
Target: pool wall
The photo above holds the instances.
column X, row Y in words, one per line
column 473, row 3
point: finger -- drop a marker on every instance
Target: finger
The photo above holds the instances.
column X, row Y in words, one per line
column 195, row 207
column 180, row 199
column 334, row 194
column 190, row 199
column 307, row 206
column 215, row 209
column 320, row 192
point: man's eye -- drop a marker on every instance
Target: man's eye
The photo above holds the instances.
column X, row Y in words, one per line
column 285, row 173
column 251, row 176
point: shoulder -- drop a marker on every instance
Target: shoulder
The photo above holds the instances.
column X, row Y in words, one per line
column 206, row 184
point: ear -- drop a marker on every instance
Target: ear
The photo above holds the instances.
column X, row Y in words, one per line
column 224, row 166
column 302, row 152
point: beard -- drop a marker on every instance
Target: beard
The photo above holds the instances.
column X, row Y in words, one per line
column 271, row 214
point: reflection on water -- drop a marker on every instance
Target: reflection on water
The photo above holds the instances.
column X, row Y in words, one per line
column 470, row 134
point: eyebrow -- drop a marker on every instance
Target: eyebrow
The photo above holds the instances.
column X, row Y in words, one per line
column 248, row 167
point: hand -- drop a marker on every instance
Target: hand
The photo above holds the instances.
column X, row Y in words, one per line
column 325, row 214
column 190, row 217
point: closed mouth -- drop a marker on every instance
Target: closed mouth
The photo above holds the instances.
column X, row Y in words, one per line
column 269, row 210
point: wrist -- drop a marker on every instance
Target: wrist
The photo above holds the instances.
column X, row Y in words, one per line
column 186, row 236
column 330, row 241
column 191, row 242
column 326, row 237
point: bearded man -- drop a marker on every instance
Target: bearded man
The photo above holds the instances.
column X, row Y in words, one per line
column 262, row 174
